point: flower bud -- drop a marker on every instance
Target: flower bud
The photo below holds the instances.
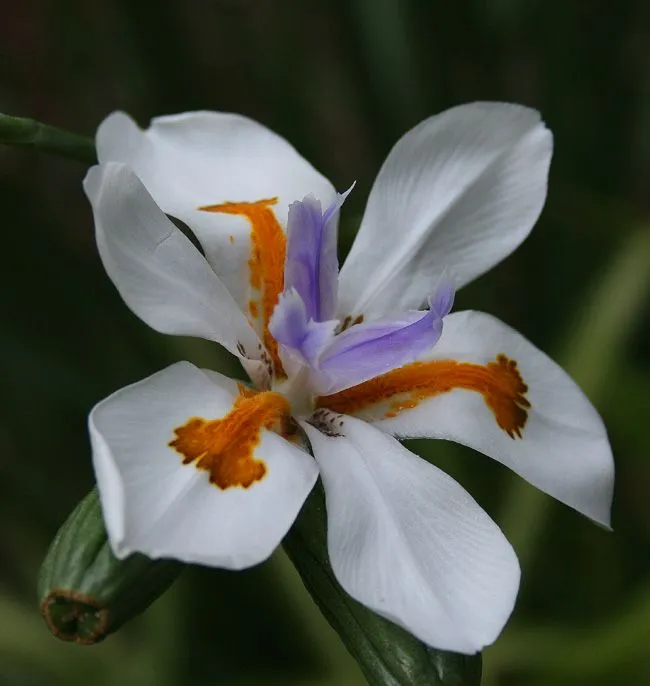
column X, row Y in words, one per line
column 85, row 592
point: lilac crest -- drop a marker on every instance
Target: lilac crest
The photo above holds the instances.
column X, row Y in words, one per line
column 443, row 299
column 368, row 350
column 300, row 335
column 302, row 321
column 312, row 264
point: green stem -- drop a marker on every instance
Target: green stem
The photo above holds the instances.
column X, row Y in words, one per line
column 387, row 655
column 32, row 134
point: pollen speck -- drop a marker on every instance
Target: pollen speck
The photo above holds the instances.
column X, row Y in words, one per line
column 225, row 447
column 351, row 321
column 499, row 382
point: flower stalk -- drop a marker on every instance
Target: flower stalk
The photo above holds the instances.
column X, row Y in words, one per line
column 29, row 133
column 86, row 594
column 387, row 655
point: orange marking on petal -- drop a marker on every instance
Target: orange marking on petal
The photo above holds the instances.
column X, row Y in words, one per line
column 225, row 447
column 499, row 382
column 268, row 253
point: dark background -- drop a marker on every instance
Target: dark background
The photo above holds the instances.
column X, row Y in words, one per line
column 342, row 80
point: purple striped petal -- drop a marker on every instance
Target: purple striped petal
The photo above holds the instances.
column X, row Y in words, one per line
column 369, row 350
column 361, row 352
column 312, row 266
column 443, row 300
column 291, row 326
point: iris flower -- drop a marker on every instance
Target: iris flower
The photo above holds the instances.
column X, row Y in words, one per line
column 199, row 467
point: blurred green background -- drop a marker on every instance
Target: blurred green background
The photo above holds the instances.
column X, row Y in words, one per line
column 341, row 79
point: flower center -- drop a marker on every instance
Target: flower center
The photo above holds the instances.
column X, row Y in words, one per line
column 499, row 382
column 225, row 447
column 298, row 393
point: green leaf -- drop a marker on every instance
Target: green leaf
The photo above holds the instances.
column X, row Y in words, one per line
column 387, row 655
column 30, row 133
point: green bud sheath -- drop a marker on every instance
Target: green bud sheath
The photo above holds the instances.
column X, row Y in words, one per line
column 85, row 592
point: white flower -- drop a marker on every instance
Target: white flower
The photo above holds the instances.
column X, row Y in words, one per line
column 194, row 466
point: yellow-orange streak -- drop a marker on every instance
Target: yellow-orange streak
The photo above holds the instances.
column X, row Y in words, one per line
column 224, row 447
column 268, row 254
column 499, row 382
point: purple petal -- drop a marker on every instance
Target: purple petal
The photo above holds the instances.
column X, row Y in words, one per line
column 443, row 300
column 312, row 265
column 368, row 350
column 292, row 328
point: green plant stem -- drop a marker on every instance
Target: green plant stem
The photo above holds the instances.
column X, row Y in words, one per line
column 29, row 133
column 387, row 655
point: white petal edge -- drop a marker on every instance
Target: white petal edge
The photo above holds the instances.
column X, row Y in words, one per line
column 155, row 505
column 160, row 275
column 459, row 192
column 410, row 543
column 564, row 450
column 191, row 160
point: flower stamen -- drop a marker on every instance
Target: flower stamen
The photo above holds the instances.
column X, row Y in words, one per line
column 350, row 321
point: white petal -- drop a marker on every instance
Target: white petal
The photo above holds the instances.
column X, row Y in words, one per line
column 564, row 449
column 162, row 277
column 196, row 159
column 410, row 543
column 154, row 504
column 459, row 192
